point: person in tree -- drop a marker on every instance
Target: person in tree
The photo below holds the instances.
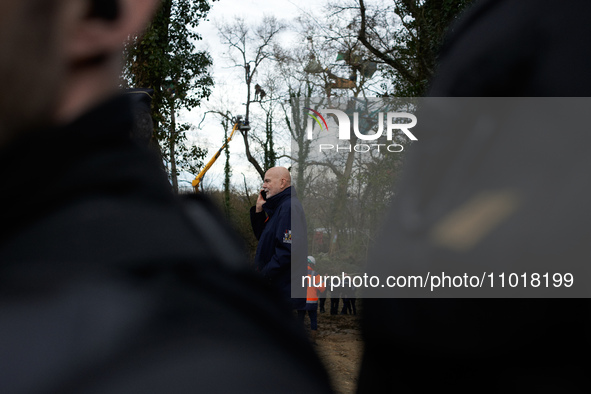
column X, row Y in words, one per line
column 257, row 92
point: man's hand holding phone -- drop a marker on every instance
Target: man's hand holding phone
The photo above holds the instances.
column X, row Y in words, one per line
column 261, row 200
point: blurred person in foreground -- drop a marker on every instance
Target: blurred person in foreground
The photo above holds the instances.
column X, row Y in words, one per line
column 108, row 282
column 500, row 48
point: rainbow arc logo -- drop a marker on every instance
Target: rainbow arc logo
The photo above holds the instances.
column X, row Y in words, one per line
column 316, row 116
column 387, row 124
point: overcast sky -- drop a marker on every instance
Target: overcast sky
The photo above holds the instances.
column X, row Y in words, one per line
column 228, row 86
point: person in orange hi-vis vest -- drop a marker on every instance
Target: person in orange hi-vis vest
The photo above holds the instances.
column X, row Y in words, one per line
column 316, row 285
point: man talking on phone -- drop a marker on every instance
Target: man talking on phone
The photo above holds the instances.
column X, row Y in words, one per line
column 277, row 212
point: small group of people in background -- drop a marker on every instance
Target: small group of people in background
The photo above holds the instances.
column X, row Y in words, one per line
column 316, row 300
column 347, row 293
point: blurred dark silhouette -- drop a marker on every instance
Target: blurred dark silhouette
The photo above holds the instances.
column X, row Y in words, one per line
column 500, row 48
column 109, row 283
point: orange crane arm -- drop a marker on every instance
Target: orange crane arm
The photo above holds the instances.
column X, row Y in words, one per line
column 200, row 176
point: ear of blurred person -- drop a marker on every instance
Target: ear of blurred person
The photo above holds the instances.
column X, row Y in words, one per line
column 92, row 42
column 67, row 63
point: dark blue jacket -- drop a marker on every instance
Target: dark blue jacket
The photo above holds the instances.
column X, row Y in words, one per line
column 281, row 231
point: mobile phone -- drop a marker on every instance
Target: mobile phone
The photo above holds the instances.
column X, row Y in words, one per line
column 264, row 195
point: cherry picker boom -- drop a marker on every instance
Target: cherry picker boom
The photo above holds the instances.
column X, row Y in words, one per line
column 239, row 124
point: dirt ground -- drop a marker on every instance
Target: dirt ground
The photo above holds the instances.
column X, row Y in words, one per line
column 340, row 347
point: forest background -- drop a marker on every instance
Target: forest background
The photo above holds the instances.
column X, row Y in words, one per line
column 254, row 64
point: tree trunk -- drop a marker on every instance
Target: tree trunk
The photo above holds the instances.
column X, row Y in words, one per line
column 227, row 171
column 250, row 157
column 171, row 149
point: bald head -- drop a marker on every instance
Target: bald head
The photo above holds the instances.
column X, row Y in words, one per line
column 280, row 172
column 277, row 179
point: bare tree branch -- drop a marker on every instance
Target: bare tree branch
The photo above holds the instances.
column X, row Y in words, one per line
column 398, row 66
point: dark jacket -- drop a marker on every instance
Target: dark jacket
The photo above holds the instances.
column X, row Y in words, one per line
column 281, row 231
column 503, row 48
column 110, row 284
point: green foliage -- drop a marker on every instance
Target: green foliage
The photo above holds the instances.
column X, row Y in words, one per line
column 190, row 158
column 166, row 60
column 240, row 218
column 406, row 35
